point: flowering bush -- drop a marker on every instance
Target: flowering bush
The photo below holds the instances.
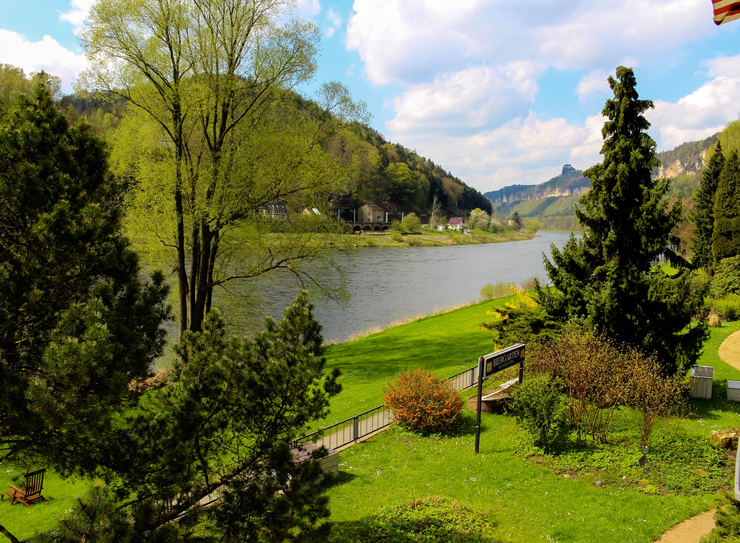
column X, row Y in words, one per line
column 420, row 402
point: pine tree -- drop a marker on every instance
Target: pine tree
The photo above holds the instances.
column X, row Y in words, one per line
column 76, row 323
column 703, row 217
column 606, row 277
column 726, row 235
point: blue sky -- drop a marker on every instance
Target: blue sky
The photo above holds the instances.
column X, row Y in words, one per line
column 497, row 92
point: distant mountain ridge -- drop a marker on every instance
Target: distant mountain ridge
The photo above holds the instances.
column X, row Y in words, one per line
column 568, row 183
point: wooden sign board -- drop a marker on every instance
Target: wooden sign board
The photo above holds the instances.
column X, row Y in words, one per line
column 500, row 360
column 494, row 363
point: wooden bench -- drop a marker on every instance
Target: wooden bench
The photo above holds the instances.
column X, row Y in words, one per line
column 34, row 485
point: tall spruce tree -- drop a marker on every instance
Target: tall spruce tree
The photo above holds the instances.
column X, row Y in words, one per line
column 606, row 276
column 703, row 217
column 726, row 235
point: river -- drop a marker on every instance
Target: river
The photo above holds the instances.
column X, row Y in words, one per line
column 389, row 284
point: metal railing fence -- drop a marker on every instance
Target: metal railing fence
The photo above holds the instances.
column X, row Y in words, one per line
column 349, row 431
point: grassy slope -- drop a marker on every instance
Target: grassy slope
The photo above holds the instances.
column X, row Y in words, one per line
column 529, row 501
column 446, row 344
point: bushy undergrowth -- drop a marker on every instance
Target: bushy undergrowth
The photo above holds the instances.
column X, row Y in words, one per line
column 541, row 410
column 674, row 464
column 420, row 402
column 726, row 279
column 727, row 307
column 427, row 519
column 599, row 377
column 491, row 291
column 726, row 524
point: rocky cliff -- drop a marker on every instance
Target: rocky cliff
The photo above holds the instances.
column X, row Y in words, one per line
column 568, row 183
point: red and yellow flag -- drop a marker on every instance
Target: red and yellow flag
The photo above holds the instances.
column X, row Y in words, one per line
column 726, row 11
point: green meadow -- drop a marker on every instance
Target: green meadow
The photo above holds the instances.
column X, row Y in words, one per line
column 596, row 494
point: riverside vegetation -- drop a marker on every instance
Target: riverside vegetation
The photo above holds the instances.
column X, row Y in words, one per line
column 220, row 423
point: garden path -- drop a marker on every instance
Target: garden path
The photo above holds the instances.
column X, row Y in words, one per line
column 690, row 530
column 729, row 351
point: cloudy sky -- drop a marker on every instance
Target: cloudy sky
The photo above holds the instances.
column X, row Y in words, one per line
column 497, row 92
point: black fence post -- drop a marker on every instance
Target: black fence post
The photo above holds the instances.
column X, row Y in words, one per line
column 356, row 428
column 480, row 396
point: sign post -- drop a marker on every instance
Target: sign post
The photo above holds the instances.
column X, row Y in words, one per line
column 494, row 363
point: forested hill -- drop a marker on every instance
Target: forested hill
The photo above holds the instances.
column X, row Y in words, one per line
column 393, row 176
column 687, row 158
column 378, row 172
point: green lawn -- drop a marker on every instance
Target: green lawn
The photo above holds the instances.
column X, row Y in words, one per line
column 24, row 522
column 529, row 501
column 446, row 344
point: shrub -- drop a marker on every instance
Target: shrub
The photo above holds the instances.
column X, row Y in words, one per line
column 728, row 307
column 411, row 222
column 726, row 278
column 396, row 236
column 599, row 376
column 427, row 519
column 396, row 226
column 534, row 225
column 421, row 402
column 726, row 523
column 491, row 292
column 541, row 410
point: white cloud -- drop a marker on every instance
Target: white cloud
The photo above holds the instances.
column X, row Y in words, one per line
column 409, row 41
column 525, row 150
column 350, row 71
column 77, row 14
column 696, row 116
column 592, row 85
column 335, row 22
column 47, row 55
column 306, row 9
column 471, row 99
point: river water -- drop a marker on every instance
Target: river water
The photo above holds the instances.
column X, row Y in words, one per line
column 389, row 284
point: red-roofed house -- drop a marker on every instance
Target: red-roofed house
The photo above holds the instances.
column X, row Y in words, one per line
column 456, row 223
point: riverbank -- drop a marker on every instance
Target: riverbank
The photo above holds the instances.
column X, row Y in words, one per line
column 437, row 239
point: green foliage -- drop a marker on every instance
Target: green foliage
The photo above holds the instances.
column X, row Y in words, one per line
column 77, row 325
column 221, row 423
column 676, row 464
column 703, row 217
column 479, row 219
column 411, row 223
column 491, row 292
column 726, row 523
column 516, row 220
column 727, row 307
column 420, row 402
column 606, row 276
column 600, row 376
column 523, row 325
column 726, row 235
column 534, row 225
column 541, row 409
column 396, row 236
column 426, row 519
column 726, row 278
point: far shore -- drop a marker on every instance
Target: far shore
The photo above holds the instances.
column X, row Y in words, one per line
column 437, row 239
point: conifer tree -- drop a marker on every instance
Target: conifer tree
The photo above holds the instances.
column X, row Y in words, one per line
column 703, row 217
column 606, row 277
column 726, row 235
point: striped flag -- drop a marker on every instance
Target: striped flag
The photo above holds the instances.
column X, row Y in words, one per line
column 726, row 11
